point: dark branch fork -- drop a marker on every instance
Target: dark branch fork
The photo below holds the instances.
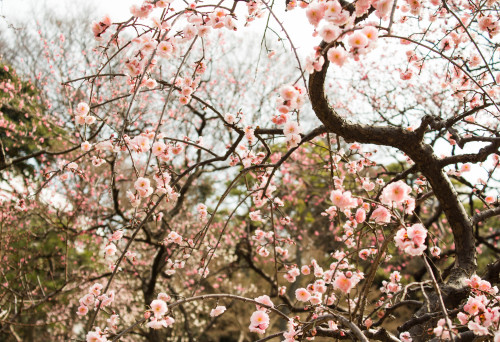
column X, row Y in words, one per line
column 425, row 160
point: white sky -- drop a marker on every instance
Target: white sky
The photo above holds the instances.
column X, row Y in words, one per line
column 295, row 21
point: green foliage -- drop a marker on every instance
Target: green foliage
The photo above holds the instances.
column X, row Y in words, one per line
column 26, row 129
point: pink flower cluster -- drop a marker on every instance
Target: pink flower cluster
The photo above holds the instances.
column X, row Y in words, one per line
column 482, row 311
column 398, row 194
column 159, row 308
column 412, row 239
column 202, row 211
column 93, row 298
column 343, row 200
column 393, row 286
column 259, row 321
column 96, row 336
column 187, row 87
column 490, row 25
column 98, row 28
column 143, row 187
column 345, row 282
column 82, row 117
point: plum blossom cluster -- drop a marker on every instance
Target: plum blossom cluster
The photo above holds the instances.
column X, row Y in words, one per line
column 412, row 239
column 481, row 312
column 159, row 308
column 340, row 275
column 247, row 157
column 187, row 86
column 335, row 25
column 398, row 194
column 291, row 98
column 99, row 27
column 110, row 248
column 393, row 285
column 263, row 239
column 258, row 198
column 94, row 298
column 82, row 114
column 96, row 336
column 259, row 321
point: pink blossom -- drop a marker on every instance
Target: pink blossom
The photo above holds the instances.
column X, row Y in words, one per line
column 315, row 12
column 435, row 251
column 156, row 323
column 371, row 33
column 465, row 168
column 302, row 295
column 337, row 55
column 142, row 185
column 345, row 282
column 395, row 192
column 329, row 32
column 165, row 49
column 82, row 109
column 259, row 322
column 110, row 249
column 358, row 40
column 489, row 199
column 265, row 300
column 86, row 146
column 291, row 128
column 477, row 329
column 255, row 215
column 381, row 215
column 474, row 306
column 383, row 7
column 219, row 310
column 82, row 310
column 89, row 120
column 360, row 215
column 343, row 200
column 142, row 11
column 305, row 270
column 316, row 299
column 96, row 289
column 95, row 336
column 405, row 337
column 463, row 318
column 230, row 118
column 159, row 307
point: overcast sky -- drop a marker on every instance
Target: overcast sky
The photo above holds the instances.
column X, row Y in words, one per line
column 13, row 11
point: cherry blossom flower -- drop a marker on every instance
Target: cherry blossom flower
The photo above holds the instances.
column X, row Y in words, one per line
column 358, row 40
column 412, row 239
column 259, row 322
column 337, row 55
column 396, row 192
column 381, row 215
column 82, row 310
column 315, row 12
column 159, row 307
column 86, row 146
column 405, row 337
column 302, row 295
column 110, row 249
column 219, row 310
column 264, row 299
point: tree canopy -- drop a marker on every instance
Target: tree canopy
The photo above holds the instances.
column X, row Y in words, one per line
column 190, row 173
